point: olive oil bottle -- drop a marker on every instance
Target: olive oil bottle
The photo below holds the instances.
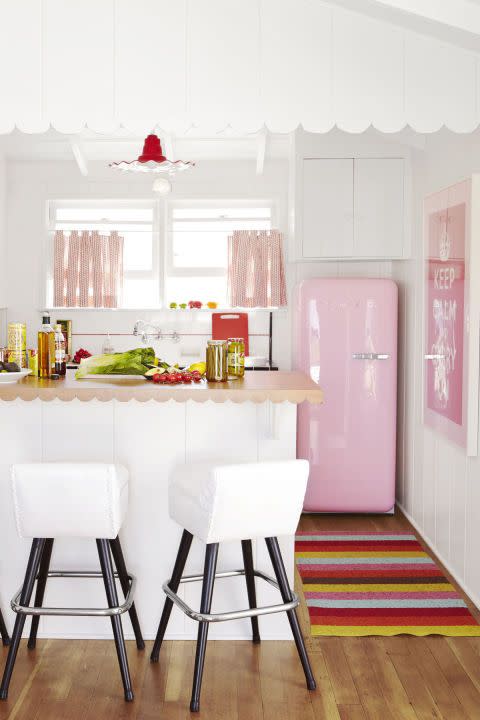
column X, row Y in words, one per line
column 46, row 348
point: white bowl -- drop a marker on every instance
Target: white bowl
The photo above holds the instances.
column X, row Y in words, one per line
column 8, row 378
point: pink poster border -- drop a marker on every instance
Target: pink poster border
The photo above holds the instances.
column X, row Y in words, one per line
column 464, row 434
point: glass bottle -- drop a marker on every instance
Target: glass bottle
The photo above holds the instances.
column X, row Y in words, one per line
column 46, row 348
column 60, row 354
column 107, row 347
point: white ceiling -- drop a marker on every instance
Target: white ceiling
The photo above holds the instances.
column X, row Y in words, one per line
column 456, row 22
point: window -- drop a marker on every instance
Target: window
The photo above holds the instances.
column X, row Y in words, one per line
column 137, row 223
column 197, row 246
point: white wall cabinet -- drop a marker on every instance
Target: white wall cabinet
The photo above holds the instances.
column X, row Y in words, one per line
column 328, row 203
column 353, row 207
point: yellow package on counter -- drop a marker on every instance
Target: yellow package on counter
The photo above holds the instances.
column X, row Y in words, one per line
column 33, row 361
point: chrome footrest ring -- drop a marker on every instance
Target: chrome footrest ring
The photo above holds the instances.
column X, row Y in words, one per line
column 235, row 614
column 89, row 612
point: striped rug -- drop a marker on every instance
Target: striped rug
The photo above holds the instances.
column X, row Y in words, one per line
column 377, row 583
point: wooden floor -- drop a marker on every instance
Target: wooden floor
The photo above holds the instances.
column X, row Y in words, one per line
column 400, row 678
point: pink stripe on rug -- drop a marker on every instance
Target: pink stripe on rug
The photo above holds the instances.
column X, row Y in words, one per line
column 351, row 532
column 440, row 595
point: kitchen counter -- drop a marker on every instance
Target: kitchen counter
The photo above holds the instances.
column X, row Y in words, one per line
column 294, row 387
column 150, row 429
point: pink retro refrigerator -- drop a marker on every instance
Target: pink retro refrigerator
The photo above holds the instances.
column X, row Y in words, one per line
column 346, row 341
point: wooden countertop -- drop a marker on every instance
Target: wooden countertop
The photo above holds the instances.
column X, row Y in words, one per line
column 257, row 386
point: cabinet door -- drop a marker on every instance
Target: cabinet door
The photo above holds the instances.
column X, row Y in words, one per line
column 327, row 208
column 379, row 207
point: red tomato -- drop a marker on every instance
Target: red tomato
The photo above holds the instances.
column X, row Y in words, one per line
column 156, row 378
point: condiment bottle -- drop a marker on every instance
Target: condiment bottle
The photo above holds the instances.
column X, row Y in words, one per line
column 60, row 359
column 46, row 348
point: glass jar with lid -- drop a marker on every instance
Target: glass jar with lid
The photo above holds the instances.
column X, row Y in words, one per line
column 216, row 361
column 236, row 358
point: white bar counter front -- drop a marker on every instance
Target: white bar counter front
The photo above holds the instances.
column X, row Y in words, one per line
column 150, row 429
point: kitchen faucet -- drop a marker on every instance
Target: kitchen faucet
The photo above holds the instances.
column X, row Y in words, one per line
column 149, row 331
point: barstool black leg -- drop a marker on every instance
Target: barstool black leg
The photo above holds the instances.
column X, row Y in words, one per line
column 182, row 555
column 27, row 589
column 211, row 555
column 112, row 599
column 281, row 575
column 4, row 631
column 250, row 578
column 40, row 592
column 119, row 561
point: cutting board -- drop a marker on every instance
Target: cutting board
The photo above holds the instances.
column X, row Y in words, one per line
column 232, row 324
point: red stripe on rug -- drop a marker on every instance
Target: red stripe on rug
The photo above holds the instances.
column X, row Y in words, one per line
column 389, row 612
column 393, row 621
column 337, row 546
column 348, row 571
column 359, row 567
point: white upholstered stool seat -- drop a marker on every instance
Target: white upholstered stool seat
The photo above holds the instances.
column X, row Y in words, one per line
column 69, row 499
column 217, row 503
column 62, row 500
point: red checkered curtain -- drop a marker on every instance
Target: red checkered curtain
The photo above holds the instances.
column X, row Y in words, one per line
column 88, row 269
column 256, row 271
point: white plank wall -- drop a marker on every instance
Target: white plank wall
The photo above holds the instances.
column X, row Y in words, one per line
column 437, row 485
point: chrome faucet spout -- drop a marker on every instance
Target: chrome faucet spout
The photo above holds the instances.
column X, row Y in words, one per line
column 149, row 331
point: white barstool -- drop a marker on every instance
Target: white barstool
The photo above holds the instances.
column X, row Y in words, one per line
column 217, row 503
column 60, row 500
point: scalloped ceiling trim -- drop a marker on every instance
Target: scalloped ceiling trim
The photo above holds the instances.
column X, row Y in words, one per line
column 275, row 128
column 223, row 63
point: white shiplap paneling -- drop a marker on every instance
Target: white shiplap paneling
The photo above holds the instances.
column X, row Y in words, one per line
column 439, row 486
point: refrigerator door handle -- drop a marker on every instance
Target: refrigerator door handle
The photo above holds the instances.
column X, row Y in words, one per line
column 370, row 356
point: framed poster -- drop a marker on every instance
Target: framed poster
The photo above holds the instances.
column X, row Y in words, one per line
column 451, row 337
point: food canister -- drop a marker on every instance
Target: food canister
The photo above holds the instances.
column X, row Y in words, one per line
column 17, row 343
column 236, row 358
column 217, row 361
column 17, row 336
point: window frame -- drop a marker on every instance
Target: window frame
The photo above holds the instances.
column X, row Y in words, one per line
column 154, row 275
column 174, row 204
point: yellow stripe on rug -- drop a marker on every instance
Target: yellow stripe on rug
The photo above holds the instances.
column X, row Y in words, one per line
column 419, row 630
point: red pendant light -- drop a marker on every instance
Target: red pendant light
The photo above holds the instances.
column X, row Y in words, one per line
column 152, row 160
